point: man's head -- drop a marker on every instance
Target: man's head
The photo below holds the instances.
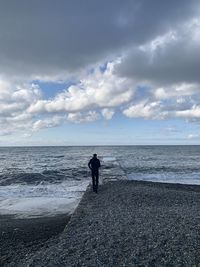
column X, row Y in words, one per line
column 94, row 155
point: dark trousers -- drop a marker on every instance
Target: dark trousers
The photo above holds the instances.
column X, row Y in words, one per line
column 95, row 179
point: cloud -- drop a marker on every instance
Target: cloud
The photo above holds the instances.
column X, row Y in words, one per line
column 171, row 58
column 23, row 109
column 14, row 102
column 107, row 113
column 47, row 123
column 81, row 117
column 176, row 101
column 193, row 136
column 140, row 58
column 98, row 90
column 179, row 91
column 50, row 39
column 192, row 113
column 145, row 110
column 15, row 98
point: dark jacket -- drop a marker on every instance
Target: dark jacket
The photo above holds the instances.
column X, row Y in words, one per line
column 94, row 164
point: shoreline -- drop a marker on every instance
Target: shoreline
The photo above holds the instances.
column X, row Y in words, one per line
column 127, row 222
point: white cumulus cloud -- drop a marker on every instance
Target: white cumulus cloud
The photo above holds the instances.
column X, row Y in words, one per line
column 97, row 90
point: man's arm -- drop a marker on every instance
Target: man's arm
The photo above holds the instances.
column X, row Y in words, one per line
column 89, row 164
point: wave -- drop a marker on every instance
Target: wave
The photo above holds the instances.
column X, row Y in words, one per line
column 46, row 176
column 41, row 200
column 21, row 178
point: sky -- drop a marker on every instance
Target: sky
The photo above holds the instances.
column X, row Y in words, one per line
column 99, row 72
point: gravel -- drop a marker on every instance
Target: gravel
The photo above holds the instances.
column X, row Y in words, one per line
column 22, row 237
column 128, row 223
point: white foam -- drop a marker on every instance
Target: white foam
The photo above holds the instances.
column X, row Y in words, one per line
column 109, row 158
column 37, row 206
column 41, row 200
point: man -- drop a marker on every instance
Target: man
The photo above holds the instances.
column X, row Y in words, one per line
column 94, row 165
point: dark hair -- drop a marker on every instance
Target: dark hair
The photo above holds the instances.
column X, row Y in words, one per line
column 95, row 155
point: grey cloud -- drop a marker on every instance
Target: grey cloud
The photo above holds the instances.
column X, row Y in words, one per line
column 172, row 62
column 48, row 37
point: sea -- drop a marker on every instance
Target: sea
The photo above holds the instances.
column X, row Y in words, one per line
column 46, row 181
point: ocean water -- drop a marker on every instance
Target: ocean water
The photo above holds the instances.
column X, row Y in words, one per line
column 44, row 181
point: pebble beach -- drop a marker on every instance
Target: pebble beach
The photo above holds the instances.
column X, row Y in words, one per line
column 22, row 237
column 128, row 223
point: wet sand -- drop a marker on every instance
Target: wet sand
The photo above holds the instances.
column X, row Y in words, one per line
column 128, row 223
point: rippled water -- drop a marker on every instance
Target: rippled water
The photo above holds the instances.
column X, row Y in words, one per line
column 37, row 181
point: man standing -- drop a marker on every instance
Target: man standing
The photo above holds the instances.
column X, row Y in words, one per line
column 94, row 165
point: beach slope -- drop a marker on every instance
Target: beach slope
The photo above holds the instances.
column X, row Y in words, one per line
column 128, row 223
